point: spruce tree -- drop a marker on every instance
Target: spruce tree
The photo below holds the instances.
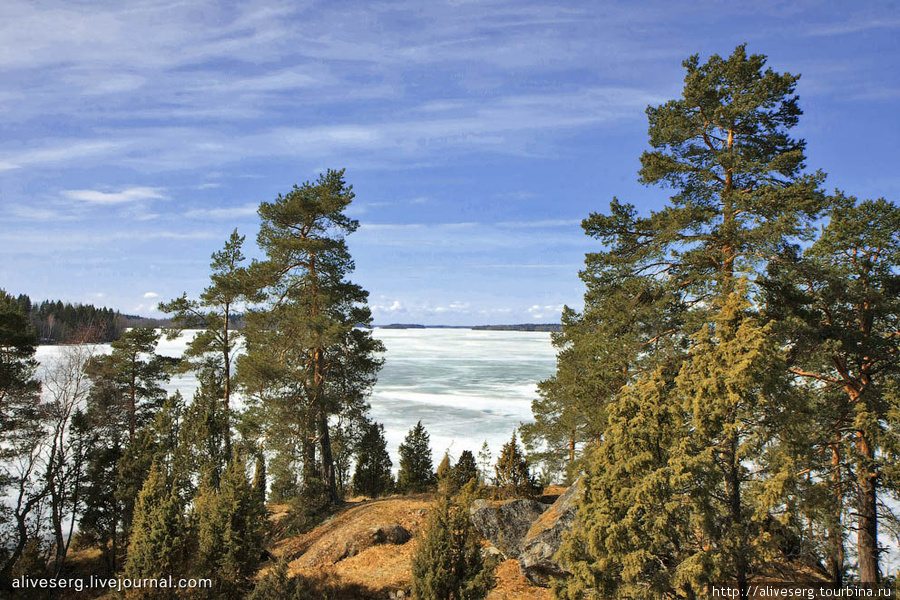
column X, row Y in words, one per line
column 205, row 429
column 464, row 470
column 373, row 464
column 416, row 474
column 307, row 356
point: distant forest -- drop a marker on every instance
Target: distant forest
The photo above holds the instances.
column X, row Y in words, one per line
column 58, row 322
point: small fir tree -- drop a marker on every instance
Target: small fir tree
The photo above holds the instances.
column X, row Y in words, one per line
column 416, row 473
column 373, row 464
column 465, row 470
column 513, row 476
column 444, row 468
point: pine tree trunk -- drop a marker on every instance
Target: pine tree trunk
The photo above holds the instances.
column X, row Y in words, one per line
column 867, row 507
column 736, row 522
column 227, row 358
column 835, row 533
column 327, row 458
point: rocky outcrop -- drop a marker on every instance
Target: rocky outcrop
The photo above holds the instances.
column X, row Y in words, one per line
column 505, row 525
column 542, row 541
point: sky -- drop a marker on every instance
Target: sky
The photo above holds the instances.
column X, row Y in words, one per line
column 135, row 136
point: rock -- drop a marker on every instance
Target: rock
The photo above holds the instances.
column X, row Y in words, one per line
column 395, row 534
column 543, row 539
column 505, row 526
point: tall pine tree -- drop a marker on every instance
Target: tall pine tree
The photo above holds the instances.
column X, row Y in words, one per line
column 307, row 356
column 838, row 302
column 211, row 350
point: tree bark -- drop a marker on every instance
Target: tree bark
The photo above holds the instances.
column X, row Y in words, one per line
column 867, row 509
column 835, row 534
column 328, row 474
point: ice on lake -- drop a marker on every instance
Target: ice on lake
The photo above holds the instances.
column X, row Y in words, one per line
column 466, row 386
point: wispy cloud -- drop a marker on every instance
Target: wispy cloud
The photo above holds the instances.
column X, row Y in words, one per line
column 855, row 26
column 124, row 196
column 70, row 153
column 233, row 212
column 33, row 213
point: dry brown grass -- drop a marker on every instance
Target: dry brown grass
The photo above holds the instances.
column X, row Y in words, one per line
column 340, row 551
column 512, row 585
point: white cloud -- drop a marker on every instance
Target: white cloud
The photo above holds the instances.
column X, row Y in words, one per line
column 246, row 210
column 32, row 213
column 855, row 26
column 151, row 295
column 73, row 152
column 546, row 311
column 125, row 196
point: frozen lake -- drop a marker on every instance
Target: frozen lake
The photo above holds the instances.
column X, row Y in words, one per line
column 466, row 386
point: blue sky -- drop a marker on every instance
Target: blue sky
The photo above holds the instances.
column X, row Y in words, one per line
column 134, row 136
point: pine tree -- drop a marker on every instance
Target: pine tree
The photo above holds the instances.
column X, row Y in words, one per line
column 512, row 474
column 159, row 542
column 373, row 464
column 131, row 376
column 740, row 195
column 448, row 564
column 211, row 351
column 838, row 303
column 416, row 474
column 307, row 358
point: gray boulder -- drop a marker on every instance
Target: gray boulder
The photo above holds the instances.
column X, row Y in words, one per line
column 505, row 525
column 543, row 539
